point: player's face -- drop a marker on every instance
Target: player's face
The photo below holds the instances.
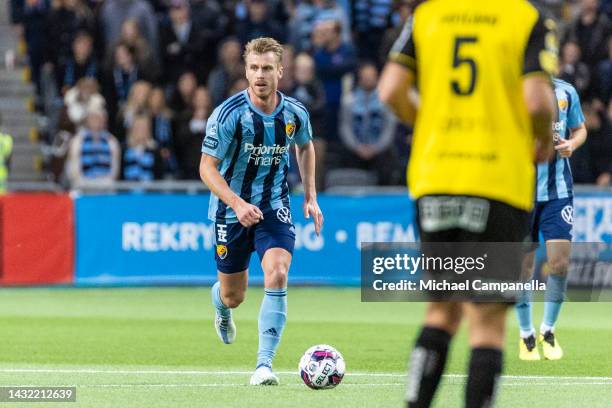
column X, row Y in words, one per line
column 263, row 72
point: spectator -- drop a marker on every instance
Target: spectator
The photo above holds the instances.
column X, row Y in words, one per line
column 604, row 77
column 81, row 99
column 404, row 11
column 367, row 127
column 590, row 30
column 286, row 83
column 65, row 20
column 259, row 23
column 370, row 20
column 330, row 10
column 82, row 63
column 239, row 85
column 574, row 71
column 183, row 93
column 334, row 59
column 119, row 78
column 136, row 104
column 144, row 55
column 600, row 145
column 34, row 23
column 141, row 158
column 180, row 42
column 161, row 129
column 190, row 126
column 114, row 12
column 305, row 17
column 309, row 90
column 94, row 153
column 230, row 68
column 212, row 23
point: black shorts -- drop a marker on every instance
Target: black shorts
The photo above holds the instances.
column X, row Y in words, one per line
column 473, row 227
column 447, row 218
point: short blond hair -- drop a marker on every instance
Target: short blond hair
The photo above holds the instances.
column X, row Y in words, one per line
column 263, row 45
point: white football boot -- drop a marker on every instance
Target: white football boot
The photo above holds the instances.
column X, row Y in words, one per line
column 263, row 375
column 225, row 327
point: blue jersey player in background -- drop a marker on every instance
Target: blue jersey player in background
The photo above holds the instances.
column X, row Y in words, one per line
column 245, row 162
column 552, row 217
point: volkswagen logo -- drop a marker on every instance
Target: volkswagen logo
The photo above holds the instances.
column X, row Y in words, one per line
column 284, row 215
column 567, row 213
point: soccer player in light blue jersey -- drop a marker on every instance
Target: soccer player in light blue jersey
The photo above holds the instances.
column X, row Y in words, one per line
column 553, row 217
column 245, row 161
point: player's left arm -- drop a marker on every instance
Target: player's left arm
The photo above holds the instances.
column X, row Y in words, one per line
column 306, row 163
column 397, row 81
column 578, row 131
column 305, row 153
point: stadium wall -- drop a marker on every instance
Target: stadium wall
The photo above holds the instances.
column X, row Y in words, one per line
column 165, row 239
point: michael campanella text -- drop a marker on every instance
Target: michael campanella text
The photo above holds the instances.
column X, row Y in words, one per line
column 444, row 285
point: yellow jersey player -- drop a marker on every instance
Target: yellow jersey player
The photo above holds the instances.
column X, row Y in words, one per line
column 482, row 69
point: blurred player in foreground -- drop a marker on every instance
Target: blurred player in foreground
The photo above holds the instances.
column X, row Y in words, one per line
column 245, row 162
column 553, row 217
column 483, row 72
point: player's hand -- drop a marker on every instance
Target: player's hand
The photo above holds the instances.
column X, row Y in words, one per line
column 248, row 214
column 311, row 207
column 565, row 148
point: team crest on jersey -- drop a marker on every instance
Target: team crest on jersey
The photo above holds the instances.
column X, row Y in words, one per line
column 562, row 105
column 221, row 251
column 290, row 129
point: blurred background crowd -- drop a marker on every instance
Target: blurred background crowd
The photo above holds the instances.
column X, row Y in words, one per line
column 126, row 86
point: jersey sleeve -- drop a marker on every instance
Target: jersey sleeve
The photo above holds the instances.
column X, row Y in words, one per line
column 217, row 137
column 403, row 51
column 303, row 133
column 541, row 51
column 575, row 117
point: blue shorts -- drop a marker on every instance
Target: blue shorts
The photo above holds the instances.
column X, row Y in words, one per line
column 554, row 219
column 234, row 242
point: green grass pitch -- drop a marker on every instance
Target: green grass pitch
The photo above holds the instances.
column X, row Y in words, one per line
column 156, row 347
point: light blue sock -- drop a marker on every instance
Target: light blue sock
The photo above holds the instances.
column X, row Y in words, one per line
column 523, row 313
column 217, row 302
column 272, row 317
column 555, row 294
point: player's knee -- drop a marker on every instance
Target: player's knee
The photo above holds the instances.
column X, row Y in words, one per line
column 559, row 266
column 233, row 299
column 277, row 274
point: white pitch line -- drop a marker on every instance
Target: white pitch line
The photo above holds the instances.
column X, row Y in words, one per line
column 503, row 384
column 212, row 372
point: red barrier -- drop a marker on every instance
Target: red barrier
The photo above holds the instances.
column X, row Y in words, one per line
column 37, row 239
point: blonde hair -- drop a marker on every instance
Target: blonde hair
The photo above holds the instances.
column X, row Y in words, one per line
column 263, row 45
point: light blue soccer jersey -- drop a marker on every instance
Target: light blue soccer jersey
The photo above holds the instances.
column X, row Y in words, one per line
column 555, row 177
column 254, row 151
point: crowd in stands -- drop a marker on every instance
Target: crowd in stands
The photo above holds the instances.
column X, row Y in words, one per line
column 128, row 85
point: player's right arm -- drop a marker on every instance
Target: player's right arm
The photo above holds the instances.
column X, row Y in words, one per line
column 214, row 147
column 247, row 214
column 539, row 66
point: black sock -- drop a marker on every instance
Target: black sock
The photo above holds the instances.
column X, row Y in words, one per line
column 483, row 377
column 426, row 366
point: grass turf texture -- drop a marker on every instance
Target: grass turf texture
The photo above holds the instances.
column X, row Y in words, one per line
column 157, row 347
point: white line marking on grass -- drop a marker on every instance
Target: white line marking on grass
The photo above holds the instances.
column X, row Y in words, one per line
column 504, row 384
column 237, row 372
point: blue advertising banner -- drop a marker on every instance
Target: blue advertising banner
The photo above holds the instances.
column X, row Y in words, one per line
column 138, row 239
column 166, row 239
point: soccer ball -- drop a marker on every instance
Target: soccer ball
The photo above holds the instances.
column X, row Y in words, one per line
column 322, row 367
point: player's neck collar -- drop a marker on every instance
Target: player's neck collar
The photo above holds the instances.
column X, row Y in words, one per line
column 279, row 105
